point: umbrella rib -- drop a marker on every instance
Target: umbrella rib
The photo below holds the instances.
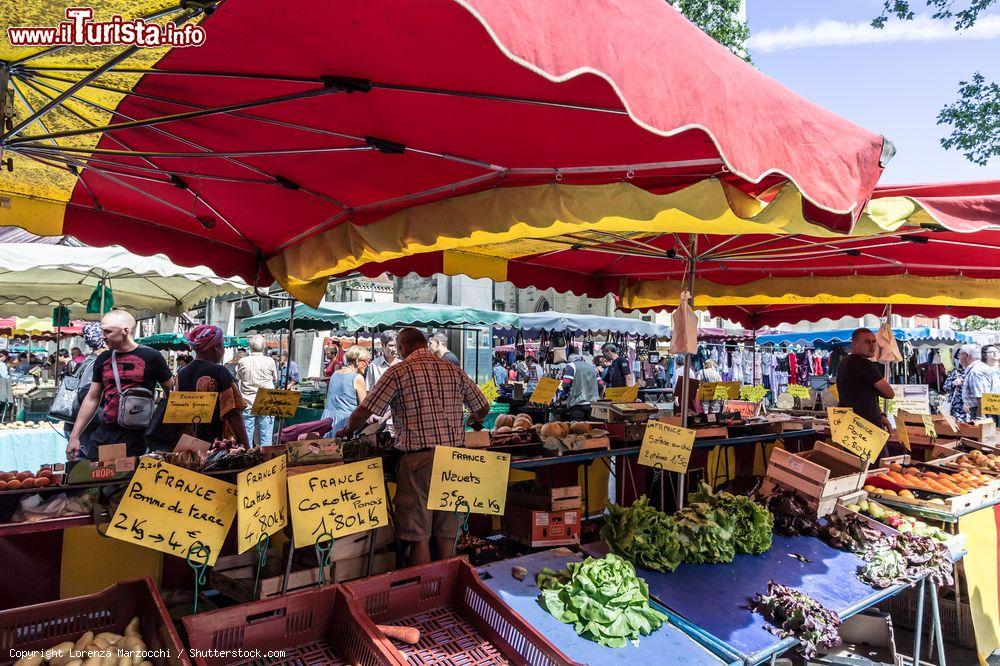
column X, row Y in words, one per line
column 832, row 244
column 284, row 123
column 31, row 109
column 174, row 117
column 274, row 180
column 179, row 155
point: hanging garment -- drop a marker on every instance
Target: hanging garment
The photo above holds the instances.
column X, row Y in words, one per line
column 793, row 373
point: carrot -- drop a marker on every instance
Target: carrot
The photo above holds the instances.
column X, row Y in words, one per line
column 409, row 635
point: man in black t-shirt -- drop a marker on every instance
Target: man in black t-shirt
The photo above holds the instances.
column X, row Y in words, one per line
column 619, row 372
column 137, row 367
column 860, row 381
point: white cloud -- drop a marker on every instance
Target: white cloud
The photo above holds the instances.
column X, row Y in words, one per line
column 840, row 33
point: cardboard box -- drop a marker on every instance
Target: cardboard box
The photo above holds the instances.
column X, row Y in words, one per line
column 542, row 528
column 556, row 499
column 820, row 475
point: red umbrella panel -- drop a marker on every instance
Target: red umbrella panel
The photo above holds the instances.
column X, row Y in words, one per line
column 291, row 129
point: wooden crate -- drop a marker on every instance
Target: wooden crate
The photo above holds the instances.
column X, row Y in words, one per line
column 556, row 499
column 542, row 528
column 234, row 575
column 820, row 475
column 982, row 430
column 952, row 503
column 632, row 411
column 955, row 544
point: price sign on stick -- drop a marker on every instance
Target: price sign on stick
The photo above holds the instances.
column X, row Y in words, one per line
column 340, row 500
column 666, row 446
column 479, row 478
column 717, row 390
column 622, row 393
column 799, row 391
column 754, row 393
column 276, row 402
column 862, row 438
column 190, row 406
column 929, row 428
column 169, row 509
column 990, row 403
column 545, row 391
column 490, row 391
column 262, row 503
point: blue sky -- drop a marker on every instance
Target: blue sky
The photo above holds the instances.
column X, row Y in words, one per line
column 895, row 87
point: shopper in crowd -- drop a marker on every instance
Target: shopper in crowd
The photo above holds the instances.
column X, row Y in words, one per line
column 232, row 364
column 94, row 338
column 955, row 380
column 205, row 373
column 288, row 372
column 661, row 374
column 500, row 372
column 601, row 368
column 438, row 344
column 129, row 366
column 347, row 388
column 709, row 373
column 23, row 364
column 254, row 372
column 389, row 358
column 535, row 372
column 619, row 373
column 426, row 394
column 583, row 389
column 77, row 355
column 333, row 359
column 861, row 381
column 182, row 360
column 982, row 376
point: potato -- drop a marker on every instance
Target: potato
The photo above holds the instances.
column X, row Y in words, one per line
column 83, row 642
column 75, row 662
column 108, row 636
column 60, row 654
column 94, row 661
column 124, row 661
column 135, row 646
column 133, row 627
column 99, row 644
column 34, row 660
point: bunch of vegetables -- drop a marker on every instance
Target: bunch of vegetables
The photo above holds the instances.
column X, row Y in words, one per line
column 906, row 559
column 897, row 520
column 792, row 514
column 642, row 535
column 850, row 533
column 603, row 599
column 712, row 528
column 798, row 615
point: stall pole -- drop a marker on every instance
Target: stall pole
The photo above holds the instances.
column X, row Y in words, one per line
column 686, row 386
column 477, row 356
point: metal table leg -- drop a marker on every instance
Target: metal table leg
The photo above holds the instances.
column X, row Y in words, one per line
column 918, row 628
column 937, row 625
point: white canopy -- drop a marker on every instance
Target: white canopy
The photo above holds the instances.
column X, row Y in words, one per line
column 34, row 278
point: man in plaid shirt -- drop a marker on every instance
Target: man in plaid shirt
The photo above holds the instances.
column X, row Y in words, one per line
column 426, row 395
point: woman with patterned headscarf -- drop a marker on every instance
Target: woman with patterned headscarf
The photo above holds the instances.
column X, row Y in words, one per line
column 94, row 337
column 206, row 373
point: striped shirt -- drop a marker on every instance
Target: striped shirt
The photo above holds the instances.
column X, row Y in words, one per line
column 426, row 395
column 253, row 372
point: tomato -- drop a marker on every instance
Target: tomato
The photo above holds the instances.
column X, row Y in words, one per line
column 14, row 485
column 28, row 483
column 42, row 481
column 21, row 476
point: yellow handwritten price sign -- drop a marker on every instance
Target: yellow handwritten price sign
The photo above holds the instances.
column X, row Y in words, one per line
column 622, row 393
column 902, row 434
column 929, row 429
column 711, row 391
column 478, row 478
column 837, row 416
column 862, row 438
column 721, row 392
column 190, row 406
column 262, row 507
column 754, row 393
column 990, row 403
column 338, row 501
column 666, row 446
column 276, row 402
column 834, row 391
column 169, row 509
column 798, row 391
column 490, row 391
column 545, row 391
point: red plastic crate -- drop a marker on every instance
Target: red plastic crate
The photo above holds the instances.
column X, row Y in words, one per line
column 461, row 620
column 310, row 628
column 43, row 626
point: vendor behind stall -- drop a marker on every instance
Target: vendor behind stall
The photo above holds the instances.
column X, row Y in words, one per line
column 583, row 389
column 860, row 380
column 426, row 394
column 619, row 372
column 135, row 367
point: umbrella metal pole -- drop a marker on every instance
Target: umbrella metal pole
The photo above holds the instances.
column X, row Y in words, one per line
column 686, row 386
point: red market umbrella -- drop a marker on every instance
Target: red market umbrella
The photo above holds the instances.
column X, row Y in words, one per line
column 306, row 135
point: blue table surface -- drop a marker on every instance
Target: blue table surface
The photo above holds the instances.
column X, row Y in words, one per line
column 28, row 450
column 522, row 597
column 716, row 598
